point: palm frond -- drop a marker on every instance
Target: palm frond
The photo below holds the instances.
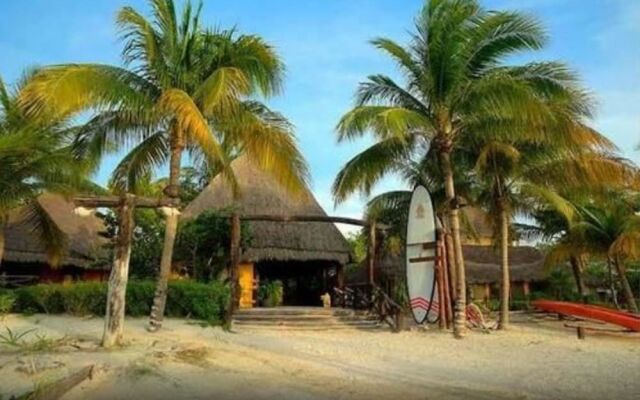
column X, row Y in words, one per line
column 384, row 122
column 364, row 170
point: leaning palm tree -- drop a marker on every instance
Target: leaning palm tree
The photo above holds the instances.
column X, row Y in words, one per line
column 455, row 82
column 186, row 88
column 513, row 177
column 35, row 157
column 609, row 230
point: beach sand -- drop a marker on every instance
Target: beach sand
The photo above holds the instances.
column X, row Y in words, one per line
column 185, row 360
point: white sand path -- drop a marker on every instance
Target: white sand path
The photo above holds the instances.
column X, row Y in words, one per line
column 184, row 360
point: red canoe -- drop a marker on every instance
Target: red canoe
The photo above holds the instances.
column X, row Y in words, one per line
column 620, row 318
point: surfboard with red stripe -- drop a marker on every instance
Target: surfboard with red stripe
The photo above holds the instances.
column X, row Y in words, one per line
column 421, row 257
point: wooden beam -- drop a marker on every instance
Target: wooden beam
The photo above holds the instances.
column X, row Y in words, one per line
column 116, row 201
column 308, row 218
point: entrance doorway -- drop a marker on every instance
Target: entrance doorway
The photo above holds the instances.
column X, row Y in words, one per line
column 302, row 282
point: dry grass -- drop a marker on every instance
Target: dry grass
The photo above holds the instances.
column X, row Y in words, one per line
column 197, row 356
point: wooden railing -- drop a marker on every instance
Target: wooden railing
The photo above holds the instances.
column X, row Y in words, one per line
column 372, row 298
column 14, row 281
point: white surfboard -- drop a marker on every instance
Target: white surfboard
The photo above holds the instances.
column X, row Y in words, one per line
column 421, row 257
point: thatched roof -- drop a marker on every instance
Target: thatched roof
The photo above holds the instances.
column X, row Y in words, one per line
column 284, row 241
column 84, row 242
column 482, row 264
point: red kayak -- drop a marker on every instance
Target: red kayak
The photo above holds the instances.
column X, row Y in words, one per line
column 620, row 318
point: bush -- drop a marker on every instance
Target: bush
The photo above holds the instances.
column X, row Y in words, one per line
column 185, row 299
column 7, row 300
column 270, row 294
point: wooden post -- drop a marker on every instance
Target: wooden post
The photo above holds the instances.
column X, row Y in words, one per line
column 235, row 261
column 446, row 285
column 114, row 319
column 340, row 276
column 442, row 316
column 453, row 274
column 371, row 256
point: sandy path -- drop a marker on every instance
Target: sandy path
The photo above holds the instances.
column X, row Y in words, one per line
column 187, row 361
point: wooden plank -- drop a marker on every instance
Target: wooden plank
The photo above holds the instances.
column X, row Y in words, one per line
column 308, row 218
column 117, row 201
column 57, row 389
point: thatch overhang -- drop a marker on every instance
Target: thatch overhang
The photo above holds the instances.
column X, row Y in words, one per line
column 482, row 264
column 259, row 193
column 85, row 244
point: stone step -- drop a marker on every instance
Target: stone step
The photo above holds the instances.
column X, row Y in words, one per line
column 302, row 317
column 313, row 328
column 298, row 311
column 328, row 322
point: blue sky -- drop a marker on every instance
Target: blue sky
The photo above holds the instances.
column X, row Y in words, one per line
column 324, row 45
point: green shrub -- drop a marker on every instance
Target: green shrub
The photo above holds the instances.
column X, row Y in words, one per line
column 204, row 301
column 7, row 301
column 270, row 294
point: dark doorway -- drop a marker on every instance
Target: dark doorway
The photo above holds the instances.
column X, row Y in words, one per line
column 303, row 282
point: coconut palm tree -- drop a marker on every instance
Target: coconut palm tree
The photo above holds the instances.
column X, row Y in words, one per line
column 35, row 157
column 512, row 178
column 609, row 230
column 455, row 82
column 185, row 88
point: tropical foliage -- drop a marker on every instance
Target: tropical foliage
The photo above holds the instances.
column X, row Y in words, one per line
column 186, row 88
column 464, row 122
column 35, row 157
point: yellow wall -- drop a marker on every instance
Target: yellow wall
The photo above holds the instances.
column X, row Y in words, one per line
column 247, row 285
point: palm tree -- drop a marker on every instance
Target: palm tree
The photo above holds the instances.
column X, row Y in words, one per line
column 514, row 177
column 455, row 83
column 609, row 230
column 187, row 88
column 35, row 157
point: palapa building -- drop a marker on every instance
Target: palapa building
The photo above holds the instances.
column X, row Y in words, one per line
column 25, row 256
column 482, row 263
column 307, row 257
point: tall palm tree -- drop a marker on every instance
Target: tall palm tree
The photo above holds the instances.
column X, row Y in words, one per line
column 186, row 88
column 609, row 230
column 35, row 157
column 455, row 82
column 514, row 177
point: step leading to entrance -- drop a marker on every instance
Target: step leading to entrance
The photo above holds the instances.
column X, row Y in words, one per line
column 304, row 318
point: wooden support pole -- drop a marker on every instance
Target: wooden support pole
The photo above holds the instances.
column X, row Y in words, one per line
column 235, row 262
column 371, row 254
column 441, row 302
column 114, row 319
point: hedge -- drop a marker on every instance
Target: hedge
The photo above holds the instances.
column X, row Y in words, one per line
column 185, row 299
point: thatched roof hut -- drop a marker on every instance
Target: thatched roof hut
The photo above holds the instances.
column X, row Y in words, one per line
column 281, row 241
column 482, row 264
column 23, row 246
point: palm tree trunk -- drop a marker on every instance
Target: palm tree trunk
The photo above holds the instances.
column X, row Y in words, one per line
column 504, row 259
column 626, row 287
column 612, row 287
column 171, row 228
column 116, row 295
column 460, row 318
column 576, row 266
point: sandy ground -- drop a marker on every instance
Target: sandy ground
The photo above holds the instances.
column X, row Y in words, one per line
column 184, row 360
